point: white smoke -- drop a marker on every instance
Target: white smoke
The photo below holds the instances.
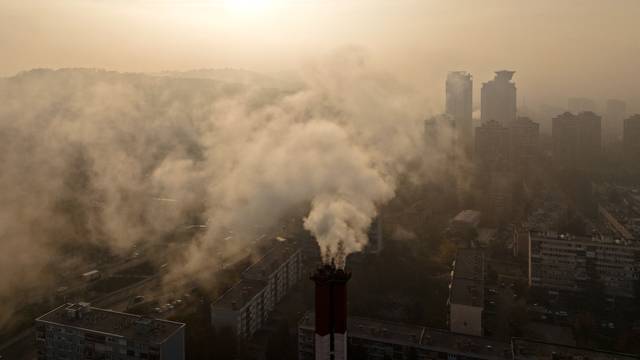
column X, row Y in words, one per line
column 106, row 145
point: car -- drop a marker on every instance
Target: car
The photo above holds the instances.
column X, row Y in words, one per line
column 138, row 299
column 492, row 291
column 169, row 306
column 611, row 326
column 157, row 310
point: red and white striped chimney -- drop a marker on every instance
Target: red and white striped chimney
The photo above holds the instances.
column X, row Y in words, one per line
column 331, row 312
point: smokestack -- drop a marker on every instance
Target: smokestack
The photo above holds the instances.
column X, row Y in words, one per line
column 331, row 312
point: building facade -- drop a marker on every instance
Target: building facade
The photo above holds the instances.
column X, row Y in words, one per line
column 573, row 263
column 491, row 146
column 246, row 307
column 80, row 331
column 577, row 139
column 466, row 293
column 498, row 99
column 631, row 140
column 459, row 105
column 523, row 142
column 379, row 340
column 613, row 120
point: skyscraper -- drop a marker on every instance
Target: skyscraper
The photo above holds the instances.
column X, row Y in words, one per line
column 523, row 138
column 631, row 139
column 613, row 117
column 577, row 139
column 459, row 105
column 498, row 98
column 491, row 146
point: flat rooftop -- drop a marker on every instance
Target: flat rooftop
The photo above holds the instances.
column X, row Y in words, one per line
column 133, row 327
column 279, row 253
column 240, row 294
column 419, row 336
column 524, row 349
column 467, row 283
column 469, row 264
column 471, row 217
column 595, row 239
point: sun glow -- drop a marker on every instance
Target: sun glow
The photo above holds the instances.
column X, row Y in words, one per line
column 244, row 6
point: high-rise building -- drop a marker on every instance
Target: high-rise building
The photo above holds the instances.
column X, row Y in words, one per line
column 331, row 312
column 491, row 146
column 577, row 139
column 80, row 331
column 523, row 142
column 459, row 105
column 466, row 293
column 573, row 263
column 631, row 140
column 498, row 99
column 614, row 115
column 577, row 105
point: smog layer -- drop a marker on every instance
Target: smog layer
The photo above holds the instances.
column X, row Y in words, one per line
column 99, row 158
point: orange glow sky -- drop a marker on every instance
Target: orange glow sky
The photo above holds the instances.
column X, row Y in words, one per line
column 558, row 48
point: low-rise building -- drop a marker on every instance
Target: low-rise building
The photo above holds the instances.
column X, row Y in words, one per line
column 80, row 331
column 376, row 339
column 567, row 262
column 466, row 293
column 379, row 340
column 247, row 305
column 525, row 349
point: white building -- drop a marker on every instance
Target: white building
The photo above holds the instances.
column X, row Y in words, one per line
column 568, row 262
column 466, row 293
column 247, row 305
column 79, row 331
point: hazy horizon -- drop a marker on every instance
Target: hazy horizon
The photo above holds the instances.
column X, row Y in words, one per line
column 551, row 45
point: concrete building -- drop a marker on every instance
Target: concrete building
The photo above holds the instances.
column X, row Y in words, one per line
column 523, row 142
column 573, row 263
column 459, row 105
column 614, row 115
column 498, row 99
column 466, row 219
column 246, row 307
column 631, row 140
column 466, row 293
column 526, row 349
column 491, row 146
column 80, row 331
column 498, row 197
column 577, row 140
column 379, row 340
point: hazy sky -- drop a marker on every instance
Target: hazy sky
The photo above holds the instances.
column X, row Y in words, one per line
column 559, row 48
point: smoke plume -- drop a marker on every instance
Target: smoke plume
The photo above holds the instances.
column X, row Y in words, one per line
column 109, row 160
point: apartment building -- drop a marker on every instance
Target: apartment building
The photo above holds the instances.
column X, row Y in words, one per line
column 246, row 307
column 466, row 293
column 568, row 262
column 80, row 331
